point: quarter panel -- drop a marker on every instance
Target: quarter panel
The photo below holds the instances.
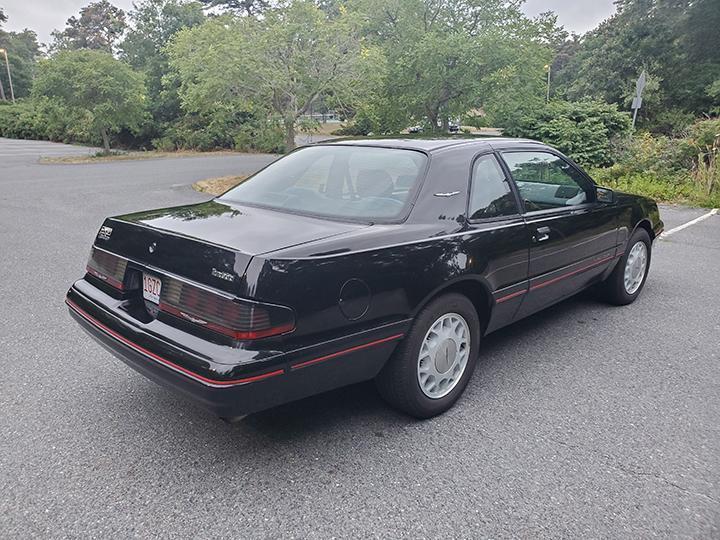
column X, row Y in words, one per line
column 400, row 278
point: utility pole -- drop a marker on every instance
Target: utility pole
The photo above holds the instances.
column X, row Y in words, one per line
column 7, row 65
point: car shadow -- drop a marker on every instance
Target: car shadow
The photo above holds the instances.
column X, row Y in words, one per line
column 362, row 401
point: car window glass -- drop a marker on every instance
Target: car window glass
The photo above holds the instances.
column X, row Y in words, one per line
column 490, row 194
column 356, row 182
column 545, row 180
column 316, row 175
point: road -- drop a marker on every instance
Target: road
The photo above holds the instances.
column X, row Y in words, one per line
column 584, row 421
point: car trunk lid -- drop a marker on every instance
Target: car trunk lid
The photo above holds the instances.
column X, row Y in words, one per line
column 211, row 243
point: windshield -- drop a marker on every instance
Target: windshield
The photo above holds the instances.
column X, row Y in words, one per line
column 347, row 182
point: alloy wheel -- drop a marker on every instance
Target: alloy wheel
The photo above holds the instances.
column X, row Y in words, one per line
column 443, row 355
column 635, row 267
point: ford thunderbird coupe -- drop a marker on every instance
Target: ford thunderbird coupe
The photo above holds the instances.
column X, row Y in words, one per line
column 356, row 260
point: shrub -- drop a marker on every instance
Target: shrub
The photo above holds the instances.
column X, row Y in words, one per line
column 683, row 169
column 704, row 138
column 262, row 138
column 223, row 128
column 703, row 133
column 360, row 126
column 45, row 119
column 203, row 131
column 645, row 153
column 584, row 130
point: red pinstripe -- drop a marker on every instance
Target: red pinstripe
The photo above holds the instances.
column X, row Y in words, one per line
column 165, row 361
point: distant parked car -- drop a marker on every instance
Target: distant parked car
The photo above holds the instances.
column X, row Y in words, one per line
column 355, row 260
column 415, row 129
column 453, row 127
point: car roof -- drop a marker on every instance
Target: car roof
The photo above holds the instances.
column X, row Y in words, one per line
column 425, row 144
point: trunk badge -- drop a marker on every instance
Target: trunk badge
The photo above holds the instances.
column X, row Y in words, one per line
column 104, row 233
column 152, row 247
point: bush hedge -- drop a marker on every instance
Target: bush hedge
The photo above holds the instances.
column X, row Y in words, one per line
column 584, row 130
column 44, row 119
column 680, row 169
column 223, row 128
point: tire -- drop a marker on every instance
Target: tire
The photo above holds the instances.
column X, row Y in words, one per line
column 399, row 382
column 614, row 289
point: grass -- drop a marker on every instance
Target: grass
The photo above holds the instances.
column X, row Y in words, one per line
column 131, row 156
column 671, row 190
column 218, row 186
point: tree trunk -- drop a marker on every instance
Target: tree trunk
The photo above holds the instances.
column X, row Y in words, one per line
column 445, row 123
column 432, row 115
column 106, row 140
column 289, row 134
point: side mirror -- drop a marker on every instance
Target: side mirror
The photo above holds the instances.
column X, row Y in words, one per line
column 604, row 195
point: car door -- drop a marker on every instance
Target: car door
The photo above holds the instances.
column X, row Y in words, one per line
column 497, row 247
column 572, row 236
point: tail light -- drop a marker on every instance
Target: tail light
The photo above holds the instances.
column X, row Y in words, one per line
column 239, row 319
column 107, row 267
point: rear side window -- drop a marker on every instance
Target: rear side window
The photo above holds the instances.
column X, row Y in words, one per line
column 545, row 180
column 490, row 194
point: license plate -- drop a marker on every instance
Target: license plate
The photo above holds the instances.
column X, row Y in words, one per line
column 151, row 288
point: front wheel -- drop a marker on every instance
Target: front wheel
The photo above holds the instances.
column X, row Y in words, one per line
column 628, row 278
column 430, row 369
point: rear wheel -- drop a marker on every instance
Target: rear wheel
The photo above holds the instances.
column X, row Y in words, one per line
column 430, row 369
column 628, row 278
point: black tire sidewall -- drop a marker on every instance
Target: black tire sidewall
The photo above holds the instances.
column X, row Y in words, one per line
column 421, row 405
column 622, row 295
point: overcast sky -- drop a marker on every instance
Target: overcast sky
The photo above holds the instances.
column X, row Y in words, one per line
column 44, row 16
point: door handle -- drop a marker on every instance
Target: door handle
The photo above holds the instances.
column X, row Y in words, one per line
column 542, row 234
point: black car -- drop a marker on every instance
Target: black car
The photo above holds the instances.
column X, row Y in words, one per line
column 356, row 260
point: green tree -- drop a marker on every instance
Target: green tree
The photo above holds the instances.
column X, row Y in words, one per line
column 107, row 91
column 22, row 50
column 445, row 58
column 675, row 40
column 281, row 63
column 99, row 27
column 153, row 23
column 249, row 8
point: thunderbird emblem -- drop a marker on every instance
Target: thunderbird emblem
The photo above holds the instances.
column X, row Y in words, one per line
column 227, row 276
column 152, row 247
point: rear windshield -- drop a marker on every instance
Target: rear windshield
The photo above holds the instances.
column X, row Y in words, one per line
column 346, row 182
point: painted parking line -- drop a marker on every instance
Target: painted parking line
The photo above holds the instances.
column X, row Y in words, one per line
column 688, row 224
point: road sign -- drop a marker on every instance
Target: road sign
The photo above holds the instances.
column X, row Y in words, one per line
column 637, row 100
column 640, row 84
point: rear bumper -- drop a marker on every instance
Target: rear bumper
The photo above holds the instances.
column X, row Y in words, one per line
column 247, row 387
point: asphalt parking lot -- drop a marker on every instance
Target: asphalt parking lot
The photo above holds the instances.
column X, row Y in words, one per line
column 584, row 420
